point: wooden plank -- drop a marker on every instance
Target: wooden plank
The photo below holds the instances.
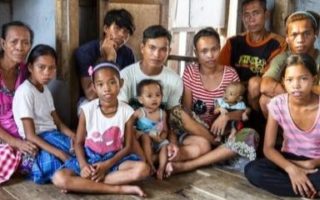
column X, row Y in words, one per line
column 5, row 195
column 231, row 185
column 28, row 190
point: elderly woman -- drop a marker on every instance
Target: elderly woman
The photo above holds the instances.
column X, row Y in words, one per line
column 16, row 40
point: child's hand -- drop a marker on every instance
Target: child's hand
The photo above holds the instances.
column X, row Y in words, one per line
column 172, row 150
column 301, row 184
column 87, row 171
column 27, row 147
column 100, row 171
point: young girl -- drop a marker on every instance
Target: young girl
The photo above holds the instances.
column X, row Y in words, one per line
column 293, row 171
column 151, row 124
column 36, row 118
column 104, row 142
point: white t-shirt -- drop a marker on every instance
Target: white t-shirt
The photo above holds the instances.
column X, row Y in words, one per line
column 171, row 83
column 29, row 102
column 105, row 134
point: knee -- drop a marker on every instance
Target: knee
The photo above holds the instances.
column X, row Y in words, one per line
column 253, row 174
column 254, row 85
column 142, row 171
column 204, row 146
column 60, row 179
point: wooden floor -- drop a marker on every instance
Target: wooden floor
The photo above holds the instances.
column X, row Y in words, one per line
column 204, row 184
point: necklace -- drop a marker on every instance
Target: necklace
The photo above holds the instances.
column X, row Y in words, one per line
column 113, row 111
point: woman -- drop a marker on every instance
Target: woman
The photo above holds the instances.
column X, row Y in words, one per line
column 204, row 82
column 16, row 40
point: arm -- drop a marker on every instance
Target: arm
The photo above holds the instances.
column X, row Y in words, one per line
column 28, row 126
column 62, row 127
column 87, row 87
column 187, row 99
column 22, row 145
column 298, row 176
column 86, row 170
column 271, row 87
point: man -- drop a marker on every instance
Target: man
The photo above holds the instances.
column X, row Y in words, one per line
column 118, row 26
column 249, row 53
column 302, row 29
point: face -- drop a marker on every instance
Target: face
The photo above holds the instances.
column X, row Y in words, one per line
column 232, row 95
column 151, row 96
column 207, row 51
column 298, row 81
column 300, row 36
column 42, row 70
column 155, row 52
column 107, row 85
column 119, row 35
column 254, row 17
column 17, row 44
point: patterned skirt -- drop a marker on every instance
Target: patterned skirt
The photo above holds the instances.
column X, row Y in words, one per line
column 10, row 159
column 244, row 143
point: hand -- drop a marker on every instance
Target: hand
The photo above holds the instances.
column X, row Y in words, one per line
column 27, row 147
column 173, row 151
column 219, row 125
column 108, row 49
column 99, row 171
column 87, row 171
column 300, row 182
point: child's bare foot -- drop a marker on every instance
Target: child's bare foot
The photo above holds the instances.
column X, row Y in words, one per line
column 169, row 169
column 64, row 191
column 175, row 167
column 129, row 189
column 160, row 172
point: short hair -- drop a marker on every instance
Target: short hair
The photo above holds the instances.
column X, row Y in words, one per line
column 121, row 17
column 238, row 85
column 156, row 31
column 263, row 3
column 103, row 64
column 206, row 32
column 146, row 82
column 303, row 59
column 313, row 17
column 41, row 50
column 7, row 26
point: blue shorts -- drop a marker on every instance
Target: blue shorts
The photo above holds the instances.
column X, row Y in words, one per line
column 93, row 157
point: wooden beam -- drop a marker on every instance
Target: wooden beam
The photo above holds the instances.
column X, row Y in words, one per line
column 281, row 10
column 67, row 40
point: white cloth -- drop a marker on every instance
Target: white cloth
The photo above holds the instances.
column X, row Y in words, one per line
column 171, row 83
column 105, row 134
column 29, row 102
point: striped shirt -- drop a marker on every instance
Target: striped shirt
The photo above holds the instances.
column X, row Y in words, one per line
column 296, row 141
column 192, row 81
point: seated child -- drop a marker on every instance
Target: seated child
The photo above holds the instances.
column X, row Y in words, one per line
column 104, row 142
column 231, row 101
column 37, row 120
column 151, row 123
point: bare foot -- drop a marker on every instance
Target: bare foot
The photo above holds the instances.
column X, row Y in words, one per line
column 160, row 172
column 129, row 189
column 64, row 191
column 169, row 169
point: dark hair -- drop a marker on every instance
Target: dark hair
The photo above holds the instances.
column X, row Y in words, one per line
column 41, row 50
column 121, row 18
column 206, row 32
column 304, row 59
column 147, row 82
column 103, row 64
column 156, row 31
column 7, row 26
column 263, row 3
column 313, row 17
